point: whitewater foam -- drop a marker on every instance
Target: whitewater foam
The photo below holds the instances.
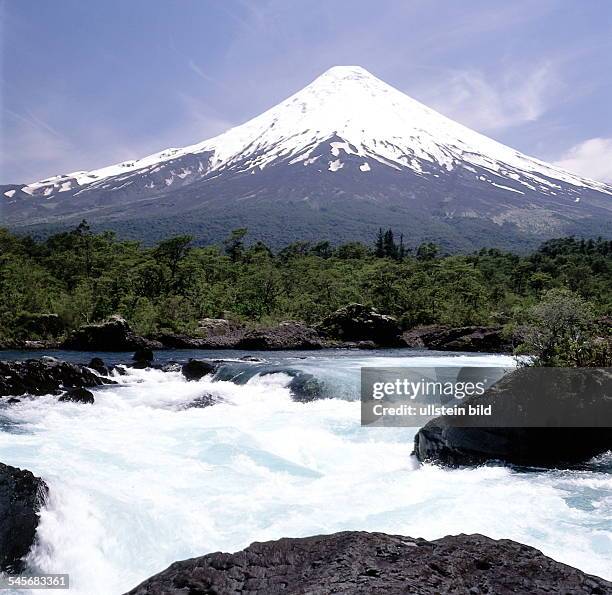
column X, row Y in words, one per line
column 137, row 481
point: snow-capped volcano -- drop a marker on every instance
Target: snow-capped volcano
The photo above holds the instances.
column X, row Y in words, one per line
column 347, row 139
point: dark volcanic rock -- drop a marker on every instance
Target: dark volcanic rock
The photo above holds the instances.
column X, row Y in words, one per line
column 467, row 338
column 142, row 358
column 113, row 335
column 203, row 401
column 306, row 387
column 560, row 397
column 78, row 395
column 176, row 341
column 21, row 496
column 45, row 376
column 195, row 369
column 287, row 335
column 355, row 562
column 99, row 366
column 144, row 354
column 357, row 322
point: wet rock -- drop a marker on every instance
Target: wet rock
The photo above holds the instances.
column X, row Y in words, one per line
column 21, row 496
column 78, row 395
column 144, row 354
column 195, row 369
column 203, row 401
column 469, row 338
column 306, row 388
column 286, row 335
column 45, row 376
column 97, row 364
column 114, row 334
column 572, row 395
column 355, row 562
column 143, row 358
column 357, row 322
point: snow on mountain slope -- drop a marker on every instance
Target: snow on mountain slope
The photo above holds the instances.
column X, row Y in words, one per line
column 358, row 115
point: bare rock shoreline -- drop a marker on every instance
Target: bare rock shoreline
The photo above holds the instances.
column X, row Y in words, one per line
column 353, row 326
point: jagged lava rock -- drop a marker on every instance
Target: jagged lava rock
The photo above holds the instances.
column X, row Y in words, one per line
column 574, row 395
column 78, row 395
column 45, row 376
column 355, row 562
column 21, row 496
column 195, row 369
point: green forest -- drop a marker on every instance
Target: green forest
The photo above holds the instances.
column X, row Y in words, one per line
column 85, row 277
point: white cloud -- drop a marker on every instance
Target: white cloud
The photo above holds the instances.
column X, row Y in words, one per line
column 495, row 102
column 38, row 150
column 591, row 158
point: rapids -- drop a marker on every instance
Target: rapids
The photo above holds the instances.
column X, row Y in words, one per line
column 138, row 480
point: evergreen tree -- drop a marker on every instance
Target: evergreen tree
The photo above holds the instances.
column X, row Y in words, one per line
column 234, row 246
column 390, row 248
column 379, row 246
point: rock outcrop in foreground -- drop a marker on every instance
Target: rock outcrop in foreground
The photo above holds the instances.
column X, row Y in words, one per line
column 543, row 397
column 21, row 496
column 367, row 563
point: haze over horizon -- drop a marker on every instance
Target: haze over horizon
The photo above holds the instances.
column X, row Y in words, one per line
column 84, row 87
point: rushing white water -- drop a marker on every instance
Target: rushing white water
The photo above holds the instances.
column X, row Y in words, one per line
column 137, row 481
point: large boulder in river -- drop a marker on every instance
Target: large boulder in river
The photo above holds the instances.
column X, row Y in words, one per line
column 357, row 322
column 356, row 562
column 21, row 496
column 551, row 417
column 78, row 395
column 97, row 364
column 195, row 369
column 467, row 338
column 45, row 376
column 114, row 334
column 286, row 335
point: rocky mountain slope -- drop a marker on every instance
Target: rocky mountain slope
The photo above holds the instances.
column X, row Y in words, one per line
column 343, row 156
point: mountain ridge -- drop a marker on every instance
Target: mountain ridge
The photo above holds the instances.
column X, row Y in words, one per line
column 344, row 142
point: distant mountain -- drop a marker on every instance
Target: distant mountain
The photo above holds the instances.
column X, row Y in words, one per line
column 340, row 158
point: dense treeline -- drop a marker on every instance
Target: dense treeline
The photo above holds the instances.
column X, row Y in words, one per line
column 85, row 277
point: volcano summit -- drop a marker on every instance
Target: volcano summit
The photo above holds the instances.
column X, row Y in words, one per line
column 339, row 159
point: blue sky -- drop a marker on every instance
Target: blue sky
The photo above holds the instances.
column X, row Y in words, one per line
column 89, row 83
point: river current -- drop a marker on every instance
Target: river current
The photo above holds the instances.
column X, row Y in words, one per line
column 139, row 479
